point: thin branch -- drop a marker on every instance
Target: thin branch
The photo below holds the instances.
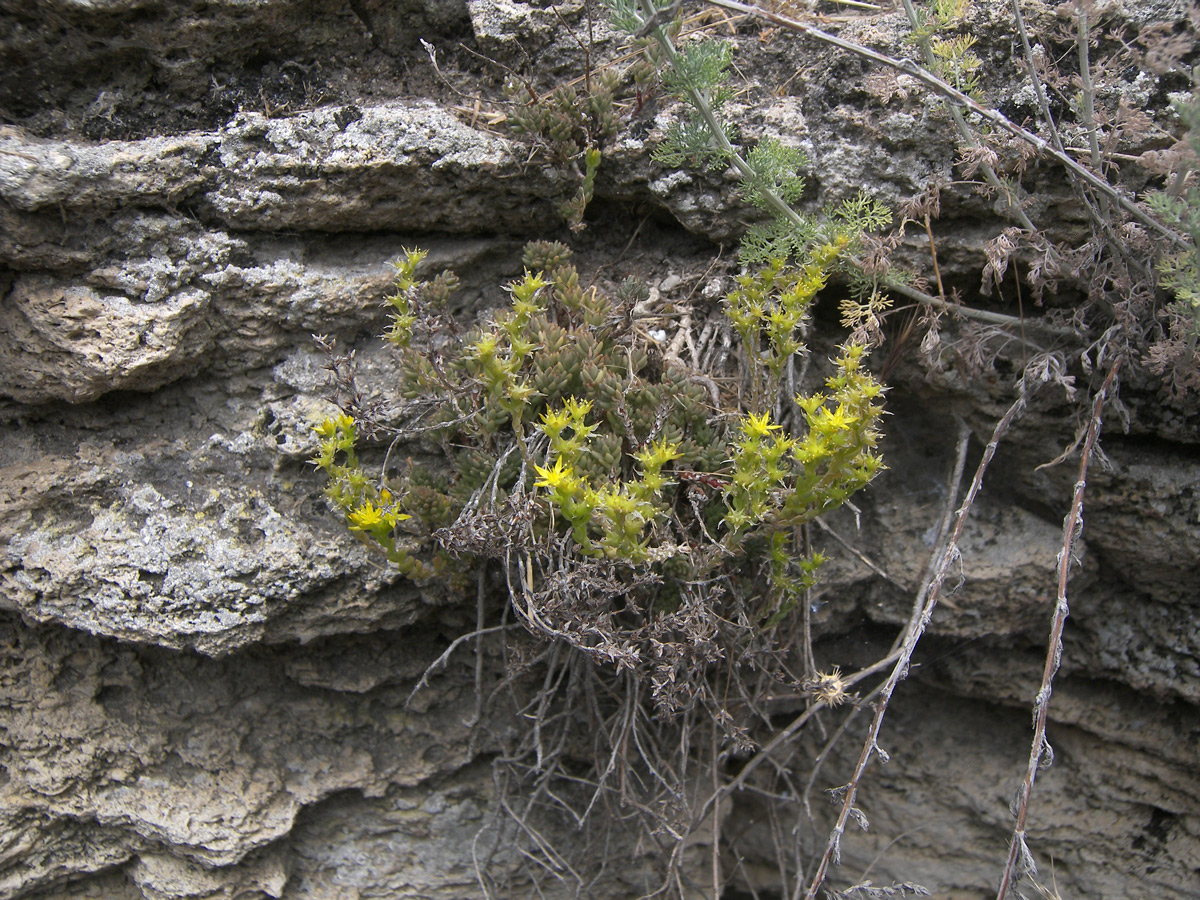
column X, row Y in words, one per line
column 819, row 761
column 1039, row 89
column 962, row 100
column 716, row 816
column 862, row 557
column 980, row 315
column 909, row 645
column 759, row 758
column 953, row 484
column 960, row 123
column 1040, row 749
column 441, row 661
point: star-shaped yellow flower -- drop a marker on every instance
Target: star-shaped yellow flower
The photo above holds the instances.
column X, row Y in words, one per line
column 758, row 426
column 831, row 421
column 555, row 478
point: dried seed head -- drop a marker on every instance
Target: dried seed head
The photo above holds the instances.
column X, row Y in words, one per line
column 828, row 687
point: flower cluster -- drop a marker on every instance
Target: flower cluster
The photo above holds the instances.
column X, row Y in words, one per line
column 618, row 514
column 557, row 404
column 371, row 511
column 769, row 308
column 782, row 480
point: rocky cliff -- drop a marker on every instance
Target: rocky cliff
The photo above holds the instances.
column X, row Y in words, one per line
column 207, row 679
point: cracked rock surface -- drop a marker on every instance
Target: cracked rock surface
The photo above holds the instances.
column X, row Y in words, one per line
column 205, row 675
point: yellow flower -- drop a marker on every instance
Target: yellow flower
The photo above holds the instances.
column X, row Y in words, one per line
column 366, row 517
column 656, row 455
column 370, row 517
column 811, row 404
column 812, row 449
column 758, row 426
column 520, row 392
column 484, row 349
column 553, row 422
column 829, row 422
column 556, row 478
column 736, row 519
column 577, row 408
column 330, row 427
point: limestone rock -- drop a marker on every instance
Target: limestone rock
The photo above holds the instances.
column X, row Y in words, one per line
column 175, row 305
column 414, row 167
column 75, row 344
column 205, row 677
column 193, row 769
column 151, row 544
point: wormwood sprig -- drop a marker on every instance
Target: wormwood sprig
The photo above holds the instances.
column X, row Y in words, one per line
column 1178, row 352
column 697, row 73
column 951, row 55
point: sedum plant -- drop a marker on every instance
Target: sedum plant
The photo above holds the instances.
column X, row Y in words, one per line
column 634, row 501
column 571, row 125
column 613, row 484
column 644, row 508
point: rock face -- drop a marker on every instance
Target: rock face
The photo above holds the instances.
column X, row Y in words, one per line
column 205, row 676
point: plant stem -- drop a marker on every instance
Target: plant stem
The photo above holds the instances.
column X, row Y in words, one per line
column 1088, row 88
column 907, row 647
column 960, row 123
column 701, row 103
column 995, row 117
column 1040, row 748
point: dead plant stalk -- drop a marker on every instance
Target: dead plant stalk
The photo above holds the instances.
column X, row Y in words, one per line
column 904, row 655
column 961, row 101
column 1040, row 748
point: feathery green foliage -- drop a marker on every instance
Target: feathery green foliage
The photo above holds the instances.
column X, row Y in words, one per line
column 953, row 59
column 1180, row 271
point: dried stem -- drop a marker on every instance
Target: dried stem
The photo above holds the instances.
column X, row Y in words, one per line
column 962, row 101
column 953, row 483
column 1040, row 748
column 441, row 661
column 908, row 646
column 965, row 133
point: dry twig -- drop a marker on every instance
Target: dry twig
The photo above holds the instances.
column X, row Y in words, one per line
column 908, row 646
column 1040, row 752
